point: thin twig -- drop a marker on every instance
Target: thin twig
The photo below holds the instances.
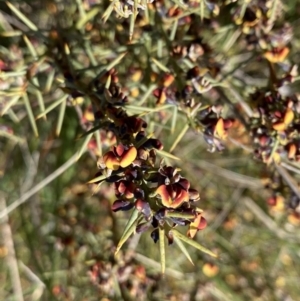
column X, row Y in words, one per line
column 269, row 223
column 249, row 80
column 233, row 106
column 155, row 265
column 11, row 256
column 40, row 285
column 242, row 180
column 31, row 172
column 288, row 179
column 13, row 21
column 291, row 168
column 240, row 100
column 39, row 186
column 226, row 209
column 241, row 145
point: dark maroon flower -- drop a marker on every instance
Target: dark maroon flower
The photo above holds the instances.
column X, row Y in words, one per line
column 154, row 222
column 144, row 207
column 170, row 237
column 125, row 189
column 172, row 188
column 165, row 95
column 193, row 195
column 121, row 205
column 155, row 235
column 135, row 124
column 160, row 215
column 143, row 227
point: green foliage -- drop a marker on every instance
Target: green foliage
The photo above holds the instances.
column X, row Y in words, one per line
column 125, row 105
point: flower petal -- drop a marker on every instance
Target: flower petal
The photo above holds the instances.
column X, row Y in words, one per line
column 202, row 224
column 292, row 149
column 159, row 216
column 182, row 197
column 277, row 55
column 194, row 195
column 144, row 208
column 162, row 98
column 120, row 187
column 199, row 223
column 184, row 183
column 288, row 117
column 164, row 194
column 153, row 143
column 170, row 237
column 210, row 269
column 143, row 227
column 128, row 157
column 228, row 123
column 220, row 130
column 279, row 126
column 136, row 124
column 179, row 196
column 121, row 205
column 155, row 235
column 168, row 80
column 111, row 161
column 119, row 149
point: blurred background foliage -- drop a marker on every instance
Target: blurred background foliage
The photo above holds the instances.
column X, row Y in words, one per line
column 58, row 240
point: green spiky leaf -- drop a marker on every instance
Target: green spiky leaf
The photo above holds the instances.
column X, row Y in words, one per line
column 129, row 229
column 192, row 243
column 183, row 249
column 162, row 249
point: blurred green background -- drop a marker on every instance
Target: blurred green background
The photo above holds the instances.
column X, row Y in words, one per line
column 58, row 243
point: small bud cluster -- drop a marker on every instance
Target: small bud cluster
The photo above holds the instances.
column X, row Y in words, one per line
column 257, row 24
column 275, row 124
column 206, row 119
column 125, row 8
column 160, row 193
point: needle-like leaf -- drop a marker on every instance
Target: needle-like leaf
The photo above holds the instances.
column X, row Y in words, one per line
column 129, row 229
column 162, row 249
column 183, row 249
column 192, row 243
column 30, row 114
column 22, row 17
